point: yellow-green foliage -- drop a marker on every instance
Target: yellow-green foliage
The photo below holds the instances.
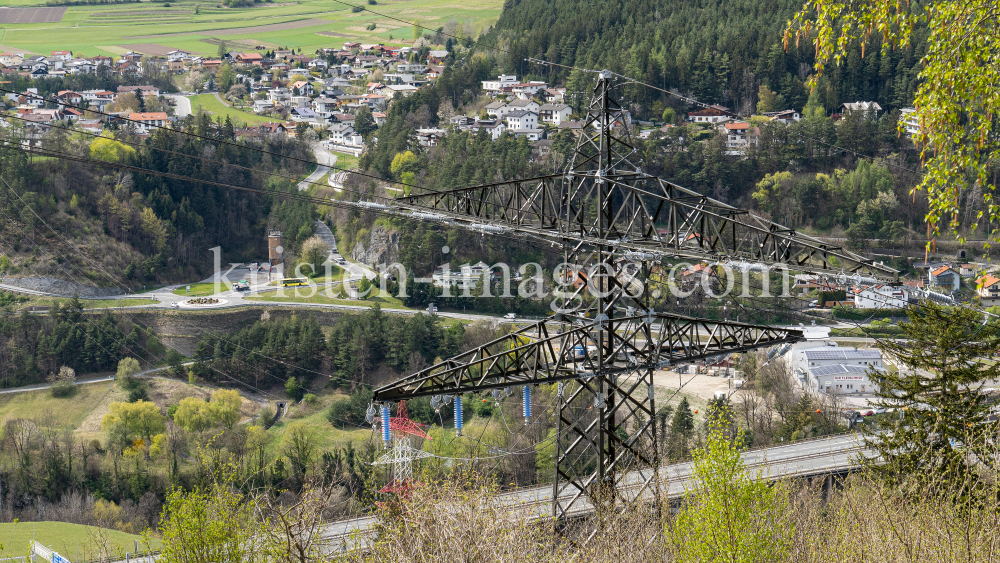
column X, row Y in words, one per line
column 109, row 150
column 195, row 415
column 141, row 419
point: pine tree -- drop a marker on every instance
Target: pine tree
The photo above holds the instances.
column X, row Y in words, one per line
column 681, row 429
column 939, row 410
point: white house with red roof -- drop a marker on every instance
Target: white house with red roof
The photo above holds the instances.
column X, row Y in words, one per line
column 739, row 135
column 944, row 277
column 988, row 289
column 302, row 87
column 710, row 115
column 149, row 120
column 61, row 55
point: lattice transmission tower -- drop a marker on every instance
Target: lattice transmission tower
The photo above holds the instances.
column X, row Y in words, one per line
column 604, row 340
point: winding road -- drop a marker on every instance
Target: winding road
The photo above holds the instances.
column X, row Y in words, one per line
column 325, row 159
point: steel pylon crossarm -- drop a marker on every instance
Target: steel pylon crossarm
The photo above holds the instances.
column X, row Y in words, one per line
column 653, row 216
column 550, row 351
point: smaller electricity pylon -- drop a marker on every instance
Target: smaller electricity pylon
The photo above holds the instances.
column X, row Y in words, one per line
column 397, row 432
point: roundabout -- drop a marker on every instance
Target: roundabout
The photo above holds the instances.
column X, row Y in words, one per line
column 203, row 303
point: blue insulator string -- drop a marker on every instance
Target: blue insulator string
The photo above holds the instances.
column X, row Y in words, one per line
column 458, row 415
column 385, row 424
column 527, row 403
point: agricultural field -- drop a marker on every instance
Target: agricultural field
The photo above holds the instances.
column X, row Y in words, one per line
column 112, row 29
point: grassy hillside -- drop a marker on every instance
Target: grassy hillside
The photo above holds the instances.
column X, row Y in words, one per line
column 197, row 27
column 215, row 108
column 73, row 541
column 82, row 412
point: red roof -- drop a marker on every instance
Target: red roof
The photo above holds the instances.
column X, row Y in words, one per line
column 737, row 125
column 940, row 270
column 249, row 57
column 148, row 116
column 988, row 280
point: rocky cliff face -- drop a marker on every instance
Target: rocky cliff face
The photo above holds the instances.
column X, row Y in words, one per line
column 383, row 247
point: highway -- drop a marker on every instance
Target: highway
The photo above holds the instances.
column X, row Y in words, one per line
column 806, row 458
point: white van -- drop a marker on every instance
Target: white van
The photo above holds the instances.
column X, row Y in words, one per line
column 510, row 316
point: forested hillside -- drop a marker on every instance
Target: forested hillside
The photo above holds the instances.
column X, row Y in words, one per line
column 126, row 228
column 721, row 51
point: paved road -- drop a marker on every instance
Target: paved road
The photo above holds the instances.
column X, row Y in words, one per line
column 801, row 459
column 183, row 107
column 325, row 159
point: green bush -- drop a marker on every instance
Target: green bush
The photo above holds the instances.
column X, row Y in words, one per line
column 350, row 411
column 309, row 398
column 63, row 389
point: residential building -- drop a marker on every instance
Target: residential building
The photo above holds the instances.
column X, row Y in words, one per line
column 379, row 117
column 785, row 116
column 519, row 120
column 301, row 88
column 461, row 122
column 139, row 90
column 32, row 98
column 910, row 119
column 967, row 270
column 554, row 113
column 437, row 55
column 871, row 109
column 527, row 90
column 262, row 106
column 374, row 101
column 401, row 90
column 531, row 134
column 341, row 118
column 98, row 99
column 494, row 87
column 303, row 115
column 149, row 120
column 61, row 55
column 10, row 59
column 325, row 106
column 413, row 68
column 429, row 137
column 70, row 97
column 177, row 55
column 739, row 136
column 709, row 115
column 496, row 109
column 344, row 134
column 575, row 126
column 945, row 278
column 526, row 105
column 881, row 297
column 555, row 95
column 493, row 127
column 988, row 289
